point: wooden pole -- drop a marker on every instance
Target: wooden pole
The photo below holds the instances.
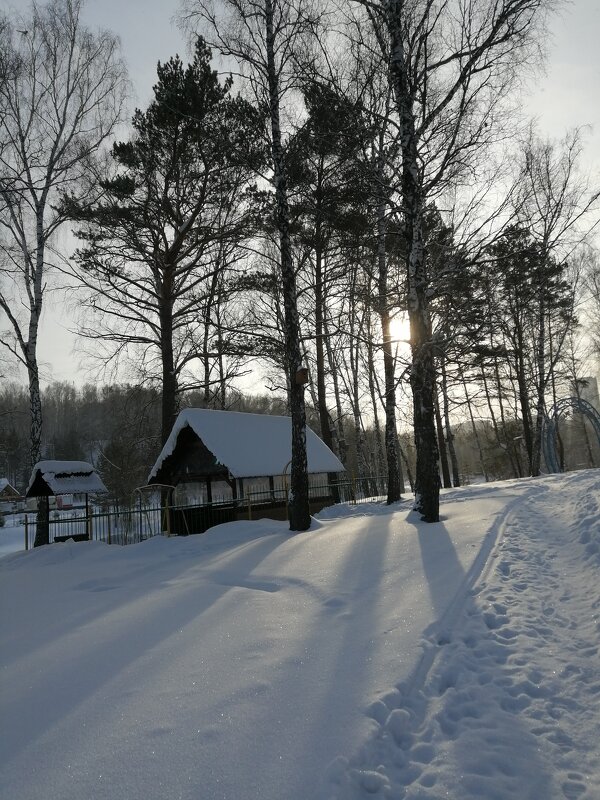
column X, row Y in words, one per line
column 168, row 510
column 87, row 517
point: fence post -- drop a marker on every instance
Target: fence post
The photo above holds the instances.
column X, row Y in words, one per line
column 353, row 485
column 108, row 521
column 286, row 496
column 249, row 506
column 87, row 518
column 168, row 510
column 26, row 531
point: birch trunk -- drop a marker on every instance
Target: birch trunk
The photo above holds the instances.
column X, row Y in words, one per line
column 299, row 512
column 42, row 530
column 447, row 425
column 536, row 447
column 422, row 375
column 394, row 473
column 442, row 444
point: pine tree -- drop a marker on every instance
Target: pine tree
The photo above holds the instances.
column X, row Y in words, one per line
column 174, row 209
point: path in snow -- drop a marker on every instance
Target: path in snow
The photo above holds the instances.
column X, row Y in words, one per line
column 506, row 702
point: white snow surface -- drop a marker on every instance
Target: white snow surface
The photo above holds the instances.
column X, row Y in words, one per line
column 67, row 477
column 249, row 445
column 374, row 656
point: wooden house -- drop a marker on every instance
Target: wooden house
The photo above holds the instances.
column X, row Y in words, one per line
column 7, row 492
column 219, row 456
column 10, row 499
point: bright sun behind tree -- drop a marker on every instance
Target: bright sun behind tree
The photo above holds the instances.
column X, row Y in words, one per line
column 400, row 328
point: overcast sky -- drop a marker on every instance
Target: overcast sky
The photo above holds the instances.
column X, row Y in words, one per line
column 568, row 96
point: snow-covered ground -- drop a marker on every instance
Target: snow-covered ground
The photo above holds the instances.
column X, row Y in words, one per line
column 373, row 656
column 12, row 535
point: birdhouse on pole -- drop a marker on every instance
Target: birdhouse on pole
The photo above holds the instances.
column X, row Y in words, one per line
column 302, row 376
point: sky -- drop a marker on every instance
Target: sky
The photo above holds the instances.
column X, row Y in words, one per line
column 373, row 656
column 567, row 96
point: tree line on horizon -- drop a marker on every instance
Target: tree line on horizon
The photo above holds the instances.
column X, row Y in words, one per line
column 365, row 167
column 117, row 427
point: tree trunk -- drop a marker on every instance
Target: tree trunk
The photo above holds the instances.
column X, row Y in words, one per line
column 362, row 463
column 449, row 432
column 442, row 445
column 169, row 378
column 324, row 416
column 342, row 447
column 510, row 445
column 525, row 409
column 299, row 511
column 422, row 376
column 409, row 474
column 394, row 472
column 474, row 428
column 378, row 457
column 559, row 438
column 42, row 530
column 540, row 405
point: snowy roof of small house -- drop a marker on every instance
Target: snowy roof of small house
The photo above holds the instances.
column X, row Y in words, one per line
column 64, row 477
column 248, row 445
column 5, row 484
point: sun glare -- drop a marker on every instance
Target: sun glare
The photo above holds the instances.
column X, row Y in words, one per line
column 400, row 329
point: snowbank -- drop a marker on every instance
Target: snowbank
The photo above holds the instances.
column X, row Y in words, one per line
column 374, row 656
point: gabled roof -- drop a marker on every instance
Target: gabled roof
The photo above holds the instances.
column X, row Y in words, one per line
column 248, row 445
column 8, row 488
column 63, row 477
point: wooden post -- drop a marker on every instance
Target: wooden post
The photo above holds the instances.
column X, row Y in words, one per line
column 87, row 518
column 26, row 529
column 168, row 510
column 108, row 521
column 249, row 506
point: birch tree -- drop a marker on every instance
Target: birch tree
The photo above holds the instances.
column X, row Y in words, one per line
column 266, row 38
column 60, row 99
column 559, row 207
column 450, row 66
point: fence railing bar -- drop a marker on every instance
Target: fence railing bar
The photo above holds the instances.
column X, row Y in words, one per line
column 129, row 525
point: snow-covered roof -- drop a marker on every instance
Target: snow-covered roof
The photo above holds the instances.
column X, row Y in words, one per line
column 249, row 445
column 5, row 484
column 64, row 477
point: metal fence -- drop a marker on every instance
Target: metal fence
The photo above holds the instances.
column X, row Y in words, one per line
column 131, row 525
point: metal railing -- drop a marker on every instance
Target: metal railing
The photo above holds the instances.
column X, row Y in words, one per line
column 131, row 525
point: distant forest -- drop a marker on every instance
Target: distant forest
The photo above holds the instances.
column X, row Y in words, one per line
column 118, row 429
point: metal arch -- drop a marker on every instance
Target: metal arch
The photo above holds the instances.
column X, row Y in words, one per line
column 550, row 427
